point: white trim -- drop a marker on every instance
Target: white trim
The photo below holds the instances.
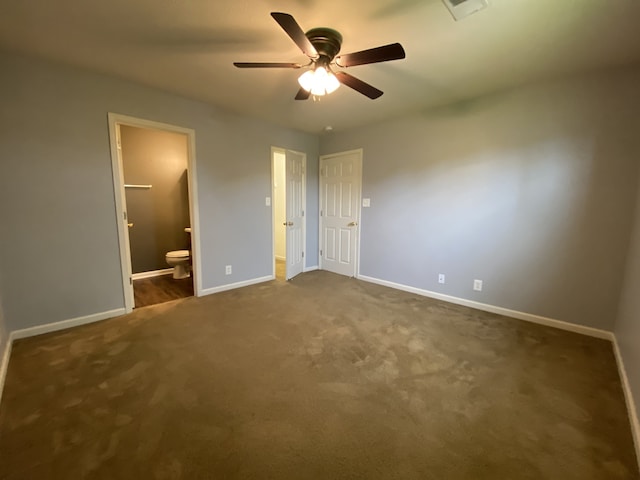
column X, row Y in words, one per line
column 272, row 161
column 310, row 269
column 4, row 362
column 233, row 286
column 115, row 120
column 550, row 322
column 64, row 324
column 628, row 397
column 121, row 224
column 152, row 273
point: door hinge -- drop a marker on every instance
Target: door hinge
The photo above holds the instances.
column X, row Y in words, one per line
column 124, row 214
column 321, row 213
column 130, row 280
column 302, row 254
column 303, row 213
column 320, row 252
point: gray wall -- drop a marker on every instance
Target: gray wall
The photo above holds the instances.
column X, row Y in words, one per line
column 161, row 213
column 628, row 322
column 59, row 238
column 531, row 191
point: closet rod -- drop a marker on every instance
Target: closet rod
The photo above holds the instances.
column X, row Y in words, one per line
column 137, row 186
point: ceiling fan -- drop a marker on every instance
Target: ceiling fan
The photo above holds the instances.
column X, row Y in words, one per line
column 322, row 46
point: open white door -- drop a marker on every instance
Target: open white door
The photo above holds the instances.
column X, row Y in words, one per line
column 123, row 221
column 340, row 179
column 295, row 171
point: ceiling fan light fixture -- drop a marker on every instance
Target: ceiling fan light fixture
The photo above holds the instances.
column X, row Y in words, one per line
column 319, row 81
column 322, row 46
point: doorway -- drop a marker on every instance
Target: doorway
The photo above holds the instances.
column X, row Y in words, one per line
column 288, row 177
column 340, row 191
column 153, row 169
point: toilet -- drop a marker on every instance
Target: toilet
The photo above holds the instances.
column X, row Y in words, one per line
column 180, row 260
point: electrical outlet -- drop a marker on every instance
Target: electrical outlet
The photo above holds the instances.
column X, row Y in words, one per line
column 477, row 285
column 267, row 201
column 441, row 278
column 228, row 270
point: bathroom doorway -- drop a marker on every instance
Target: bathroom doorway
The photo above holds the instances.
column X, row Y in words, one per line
column 289, row 225
column 153, row 174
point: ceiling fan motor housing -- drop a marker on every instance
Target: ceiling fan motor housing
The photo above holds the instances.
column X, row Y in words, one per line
column 326, row 41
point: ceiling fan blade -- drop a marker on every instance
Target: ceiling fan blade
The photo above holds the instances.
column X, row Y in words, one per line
column 291, row 27
column 393, row 51
column 302, row 94
column 266, row 65
column 358, row 85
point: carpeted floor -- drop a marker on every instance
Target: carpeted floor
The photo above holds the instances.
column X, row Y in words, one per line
column 322, row 377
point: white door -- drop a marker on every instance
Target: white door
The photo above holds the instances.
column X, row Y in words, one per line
column 295, row 165
column 340, row 178
column 126, row 263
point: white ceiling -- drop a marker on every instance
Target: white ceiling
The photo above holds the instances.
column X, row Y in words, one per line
column 188, row 46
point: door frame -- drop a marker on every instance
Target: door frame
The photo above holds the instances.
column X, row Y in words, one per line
column 115, row 120
column 273, row 210
column 360, row 153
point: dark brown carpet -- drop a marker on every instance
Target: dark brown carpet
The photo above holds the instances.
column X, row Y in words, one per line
column 323, row 377
column 164, row 288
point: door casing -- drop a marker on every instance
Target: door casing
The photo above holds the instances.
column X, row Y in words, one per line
column 115, row 120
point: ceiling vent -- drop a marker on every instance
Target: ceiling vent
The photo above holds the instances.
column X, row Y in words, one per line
column 463, row 8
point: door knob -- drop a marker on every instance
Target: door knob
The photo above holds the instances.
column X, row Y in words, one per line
column 289, row 224
column 129, row 225
column 352, row 224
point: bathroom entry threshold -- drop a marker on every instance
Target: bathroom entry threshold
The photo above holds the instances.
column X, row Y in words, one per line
column 161, row 289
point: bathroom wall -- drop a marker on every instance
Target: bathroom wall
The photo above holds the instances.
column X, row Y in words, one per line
column 57, row 195
column 531, row 191
column 161, row 213
column 280, row 204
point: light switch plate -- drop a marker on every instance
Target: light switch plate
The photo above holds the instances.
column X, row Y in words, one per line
column 366, row 202
column 267, row 201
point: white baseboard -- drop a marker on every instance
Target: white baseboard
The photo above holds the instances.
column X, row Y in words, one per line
column 232, row 286
column 628, row 396
column 72, row 322
column 550, row 322
column 310, row 269
column 4, row 363
column 153, row 273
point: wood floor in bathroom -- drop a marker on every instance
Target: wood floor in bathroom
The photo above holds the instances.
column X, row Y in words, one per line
column 154, row 290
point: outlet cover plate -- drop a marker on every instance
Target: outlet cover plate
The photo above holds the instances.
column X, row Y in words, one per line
column 477, row 285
